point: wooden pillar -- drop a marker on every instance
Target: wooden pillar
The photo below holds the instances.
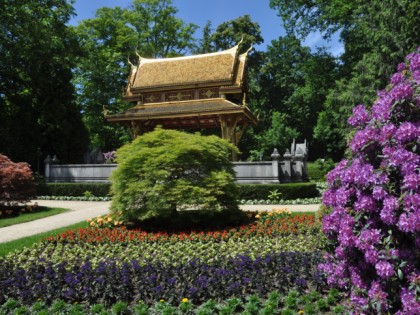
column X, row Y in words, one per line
column 228, row 125
column 136, row 129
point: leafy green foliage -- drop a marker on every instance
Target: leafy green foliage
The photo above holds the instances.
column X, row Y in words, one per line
column 278, row 136
column 73, row 189
column 168, row 252
column 376, row 36
column 37, row 53
column 230, row 33
column 288, row 87
column 109, row 41
column 318, row 170
column 166, row 171
column 252, row 304
column 287, row 191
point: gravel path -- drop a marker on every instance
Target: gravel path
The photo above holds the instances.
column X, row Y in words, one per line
column 83, row 210
column 78, row 211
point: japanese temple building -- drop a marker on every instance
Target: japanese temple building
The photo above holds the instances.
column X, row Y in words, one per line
column 189, row 93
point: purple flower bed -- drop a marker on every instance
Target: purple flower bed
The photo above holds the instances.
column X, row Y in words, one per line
column 114, row 281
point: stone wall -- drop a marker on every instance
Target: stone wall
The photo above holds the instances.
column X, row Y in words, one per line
column 292, row 168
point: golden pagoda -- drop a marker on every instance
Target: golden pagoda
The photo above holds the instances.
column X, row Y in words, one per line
column 192, row 92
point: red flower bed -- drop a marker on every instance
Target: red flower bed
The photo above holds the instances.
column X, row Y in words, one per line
column 298, row 223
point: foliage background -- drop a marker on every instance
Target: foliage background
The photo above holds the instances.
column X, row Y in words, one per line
column 57, row 81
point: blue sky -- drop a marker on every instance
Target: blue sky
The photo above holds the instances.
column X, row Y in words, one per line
column 217, row 11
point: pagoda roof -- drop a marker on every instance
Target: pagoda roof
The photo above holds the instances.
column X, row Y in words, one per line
column 224, row 68
column 190, row 112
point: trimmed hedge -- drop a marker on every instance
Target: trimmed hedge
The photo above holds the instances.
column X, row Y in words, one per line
column 245, row 191
column 287, row 191
column 73, row 189
column 315, row 173
column 318, row 170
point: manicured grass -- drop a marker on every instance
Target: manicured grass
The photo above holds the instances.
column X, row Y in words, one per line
column 19, row 244
column 39, row 213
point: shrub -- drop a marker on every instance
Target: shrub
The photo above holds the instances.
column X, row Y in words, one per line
column 375, row 198
column 73, row 189
column 286, row 191
column 17, row 183
column 318, row 170
column 165, row 171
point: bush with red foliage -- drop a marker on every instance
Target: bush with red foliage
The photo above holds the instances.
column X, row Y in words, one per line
column 17, row 183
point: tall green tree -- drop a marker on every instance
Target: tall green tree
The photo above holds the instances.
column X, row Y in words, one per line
column 289, row 89
column 37, row 108
column 375, row 34
column 110, row 42
column 228, row 34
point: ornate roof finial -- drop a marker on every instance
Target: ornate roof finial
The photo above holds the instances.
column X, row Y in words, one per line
column 128, row 59
column 137, row 53
column 249, row 49
column 242, row 39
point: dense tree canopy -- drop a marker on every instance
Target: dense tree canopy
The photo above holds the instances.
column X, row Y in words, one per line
column 293, row 81
column 52, row 75
column 37, row 108
column 109, row 42
column 376, row 35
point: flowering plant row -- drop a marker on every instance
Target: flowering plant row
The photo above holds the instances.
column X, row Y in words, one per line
column 167, row 252
column 131, row 282
column 15, row 210
column 297, row 201
column 279, row 224
column 275, row 303
column 74, row 198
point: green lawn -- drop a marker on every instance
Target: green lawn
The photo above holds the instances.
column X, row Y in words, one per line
column 19, row 244
column 39, row 213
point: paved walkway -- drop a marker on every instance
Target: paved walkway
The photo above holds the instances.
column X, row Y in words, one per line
column 83, row 210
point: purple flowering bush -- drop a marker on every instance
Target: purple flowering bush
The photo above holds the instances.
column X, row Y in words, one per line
column 110, row 157
column 374, row 195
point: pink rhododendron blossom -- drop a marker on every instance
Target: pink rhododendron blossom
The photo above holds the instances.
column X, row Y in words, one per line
column 411, row 181
column 407, row 132
column 401, row 92
column 334, row 175
column 371, row 255
column 356, row 280
column 379, row 193
column 411, row 306
column 416, row 76
column 388, row 131
column 406, row 160
column 409, row 222
column 371, row 236
column 377, row 294
column 401, row 66
column 384, row 269
column 363, row 138
column 412, row 202
column 358, row 301
column 365, row 202
column 415, row 62
column 360, row 116
column 375, row 201
column 381, row 108
column 397, row 78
